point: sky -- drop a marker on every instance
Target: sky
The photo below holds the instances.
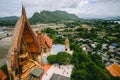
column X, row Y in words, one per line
column 82, row 8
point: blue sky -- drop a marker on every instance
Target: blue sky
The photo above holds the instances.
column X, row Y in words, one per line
column 82, row 8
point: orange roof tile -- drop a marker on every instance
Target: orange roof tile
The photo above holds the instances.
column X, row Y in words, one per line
column 48, row 41
column 2, row 75
column 41, row 40
column 46, row 67
column 114, row 70
column 44, row 39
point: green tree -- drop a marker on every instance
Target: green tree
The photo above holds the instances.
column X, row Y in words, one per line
column 97, row 59
column 63, row 58
column 75, row 47
column 52, row 59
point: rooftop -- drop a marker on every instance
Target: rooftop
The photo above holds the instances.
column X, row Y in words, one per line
column 114, row 70
column 37, row 72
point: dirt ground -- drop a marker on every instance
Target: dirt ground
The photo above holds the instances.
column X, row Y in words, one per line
column 4, row 46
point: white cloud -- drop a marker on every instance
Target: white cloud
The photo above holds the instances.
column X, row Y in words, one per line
column 80, row 7
column 31, row 2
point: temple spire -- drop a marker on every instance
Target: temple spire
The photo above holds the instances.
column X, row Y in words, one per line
column 23, row 10
column 67, row 44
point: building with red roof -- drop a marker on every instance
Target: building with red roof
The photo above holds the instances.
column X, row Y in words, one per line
column 45, row 42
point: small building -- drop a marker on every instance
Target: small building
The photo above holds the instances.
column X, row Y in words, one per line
column 117, row 52
column 114, row 44
column 114, row 70
column 104, row 46
column 85, row 48
column 93, row 45
column 111, row 47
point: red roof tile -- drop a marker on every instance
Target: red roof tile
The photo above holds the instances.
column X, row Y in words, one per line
column 2, row 75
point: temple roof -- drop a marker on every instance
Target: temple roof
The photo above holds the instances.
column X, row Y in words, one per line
column 21, row 24
column 23, row 30
column 43, row 38
column 48, row 41
column 114, row 70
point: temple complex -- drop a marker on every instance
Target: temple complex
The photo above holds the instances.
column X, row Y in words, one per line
column 25, row 49
column 28, row 51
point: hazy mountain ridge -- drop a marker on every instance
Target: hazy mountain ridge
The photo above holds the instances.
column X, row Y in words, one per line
column 8, row 21
column 50, row 17
column 9, row 18
column 113, row 18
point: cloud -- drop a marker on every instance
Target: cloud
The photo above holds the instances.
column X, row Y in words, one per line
column 31, row 2
column 69, row 4
column 82, row 8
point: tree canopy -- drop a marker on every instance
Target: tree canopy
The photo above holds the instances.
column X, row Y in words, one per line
column 88, row 67
column 61, row 58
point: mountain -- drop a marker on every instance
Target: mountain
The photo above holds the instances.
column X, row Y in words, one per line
column 9, row 18
column 52, row 16
column 42, row 17
column 8, row 21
